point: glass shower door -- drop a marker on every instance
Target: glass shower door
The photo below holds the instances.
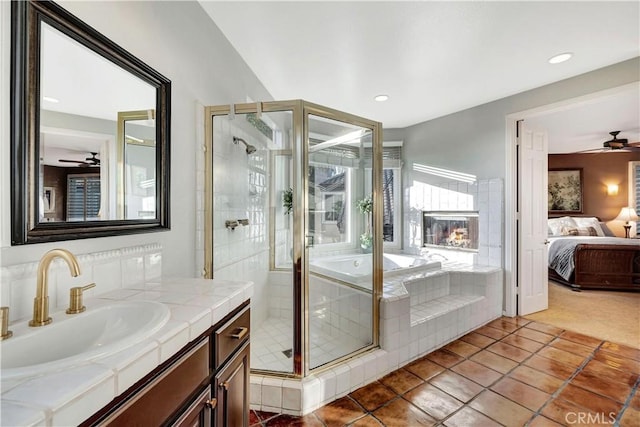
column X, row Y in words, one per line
column 251, row 163
column 290, row 207
column 339, row 239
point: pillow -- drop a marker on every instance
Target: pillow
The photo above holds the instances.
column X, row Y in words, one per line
column 584, row 222
column 606, row 230
column 557, row 224
column 580, row 231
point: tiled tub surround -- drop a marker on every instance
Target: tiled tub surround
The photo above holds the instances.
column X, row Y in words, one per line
column 451, row 302
column 69, row 396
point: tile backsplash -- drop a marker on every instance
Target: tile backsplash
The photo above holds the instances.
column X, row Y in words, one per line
column 109, row 270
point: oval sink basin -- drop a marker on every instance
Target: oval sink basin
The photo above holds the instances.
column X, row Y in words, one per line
column 72, row 339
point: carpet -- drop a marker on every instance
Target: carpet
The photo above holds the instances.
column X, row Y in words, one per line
column 608, row 315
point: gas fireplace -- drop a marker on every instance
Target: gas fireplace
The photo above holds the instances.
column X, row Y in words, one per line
column 450, row 229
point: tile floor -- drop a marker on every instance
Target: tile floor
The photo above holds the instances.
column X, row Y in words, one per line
column 512, row 372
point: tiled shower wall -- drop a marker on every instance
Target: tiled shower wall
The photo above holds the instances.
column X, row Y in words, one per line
column 109, row 270
column 240, row 191
column 485, row 196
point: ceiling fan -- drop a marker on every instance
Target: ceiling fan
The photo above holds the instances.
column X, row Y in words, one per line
column 615, row 144
column 87, row 162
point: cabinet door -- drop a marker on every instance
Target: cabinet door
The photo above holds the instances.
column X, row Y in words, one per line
column 232, row 390
column 199, row 412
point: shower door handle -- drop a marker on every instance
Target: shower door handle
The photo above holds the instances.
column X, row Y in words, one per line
column 309, row 243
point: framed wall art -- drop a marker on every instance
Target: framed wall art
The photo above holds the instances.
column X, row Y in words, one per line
column 565, row 191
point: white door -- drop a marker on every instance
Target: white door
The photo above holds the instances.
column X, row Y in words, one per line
column 533, row 292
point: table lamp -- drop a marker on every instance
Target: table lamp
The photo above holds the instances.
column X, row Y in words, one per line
column 627, row 214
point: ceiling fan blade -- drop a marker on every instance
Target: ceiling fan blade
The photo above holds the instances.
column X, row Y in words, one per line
column 594, row 150
column 71, row 161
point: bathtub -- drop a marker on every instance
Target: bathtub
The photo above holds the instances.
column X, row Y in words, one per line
column 356, row 269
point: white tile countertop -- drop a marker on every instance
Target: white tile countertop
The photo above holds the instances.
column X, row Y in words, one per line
column 68, row 397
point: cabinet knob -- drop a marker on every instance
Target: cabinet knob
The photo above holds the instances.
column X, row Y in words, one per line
column 212, row 403
column 225, row 385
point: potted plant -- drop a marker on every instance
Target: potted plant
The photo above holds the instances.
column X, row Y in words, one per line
column 287, row 200
column 365, row 206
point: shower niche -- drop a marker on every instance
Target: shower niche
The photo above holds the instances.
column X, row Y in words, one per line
column 296, row 171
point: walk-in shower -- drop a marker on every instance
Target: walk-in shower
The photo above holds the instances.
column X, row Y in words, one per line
column 311, row 192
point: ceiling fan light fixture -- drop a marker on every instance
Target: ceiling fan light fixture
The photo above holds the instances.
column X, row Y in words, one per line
column 615, row 143
column 381, row 98
column 562, row 57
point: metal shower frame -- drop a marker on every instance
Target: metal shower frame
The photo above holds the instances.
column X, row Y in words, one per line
column 300, row 269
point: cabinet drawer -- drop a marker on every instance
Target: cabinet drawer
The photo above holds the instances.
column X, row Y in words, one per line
column 163, row 396
column 231, row 336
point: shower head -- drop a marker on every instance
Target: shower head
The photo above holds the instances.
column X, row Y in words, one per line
column 250, row 149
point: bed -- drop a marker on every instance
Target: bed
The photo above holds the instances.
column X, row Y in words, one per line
column 584, row 256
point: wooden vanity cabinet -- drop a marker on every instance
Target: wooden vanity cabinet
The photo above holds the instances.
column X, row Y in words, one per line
column 206, row 383
column 160, row 396
column 230, row 384
column 199, row 413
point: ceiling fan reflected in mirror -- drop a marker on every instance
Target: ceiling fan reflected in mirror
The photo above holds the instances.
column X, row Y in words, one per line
column 86, row 163
column 615, row 144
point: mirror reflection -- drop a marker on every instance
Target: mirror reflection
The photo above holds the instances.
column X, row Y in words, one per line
column 90, row 132
column 137, row 147
column 87, row 171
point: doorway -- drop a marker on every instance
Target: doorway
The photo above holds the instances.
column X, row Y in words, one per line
column 515, row 199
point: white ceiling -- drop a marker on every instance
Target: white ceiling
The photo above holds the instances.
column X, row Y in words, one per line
column 585, row 126
column 431, row 58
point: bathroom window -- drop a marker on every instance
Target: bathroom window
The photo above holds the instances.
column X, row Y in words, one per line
column 391, row 206
column 391, row 191
column 333, row 209
column 83, row 197
column 329, row 201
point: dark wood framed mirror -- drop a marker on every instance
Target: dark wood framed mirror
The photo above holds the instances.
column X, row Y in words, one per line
column 70, row 86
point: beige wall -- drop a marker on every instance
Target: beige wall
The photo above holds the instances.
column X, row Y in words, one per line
column 599, row 170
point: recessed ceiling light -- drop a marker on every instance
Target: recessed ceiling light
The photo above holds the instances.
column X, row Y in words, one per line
column 50, row 99
column 381, row 98
column 560, row 58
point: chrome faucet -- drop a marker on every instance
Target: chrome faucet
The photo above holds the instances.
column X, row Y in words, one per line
column 41, row 301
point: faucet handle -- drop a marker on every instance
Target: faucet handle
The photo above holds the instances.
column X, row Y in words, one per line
column 75, row 298
column 4, row 324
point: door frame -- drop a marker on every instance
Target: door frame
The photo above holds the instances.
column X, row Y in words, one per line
column 511, row 236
